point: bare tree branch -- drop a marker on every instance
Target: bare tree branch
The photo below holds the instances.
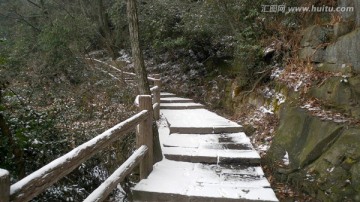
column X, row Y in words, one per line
column 33, row 3
column 24, row 20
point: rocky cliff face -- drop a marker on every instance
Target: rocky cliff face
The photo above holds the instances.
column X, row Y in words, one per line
column 322, row 140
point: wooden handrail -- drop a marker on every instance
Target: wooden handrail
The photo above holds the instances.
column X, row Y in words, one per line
column 110, row 184
column 156, row 96
column 155, row 88
column 35, row 183
column 38, row 181
column 152, row 78
column 113, row 67
column 145, row 136
column 156, row 106
column 4, row 185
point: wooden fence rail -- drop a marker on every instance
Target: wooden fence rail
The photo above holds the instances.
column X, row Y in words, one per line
column 35, row 183
column 115, row 68
column 106, row 187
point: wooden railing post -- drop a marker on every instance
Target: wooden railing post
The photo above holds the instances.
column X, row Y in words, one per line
column 157, row 83
column 4, row 186
column 145, row 136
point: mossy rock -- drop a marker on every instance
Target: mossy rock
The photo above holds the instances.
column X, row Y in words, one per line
column 342, row 28
column 350, row 16
column 355, row 84
column 324, row 156
column 355, row 176
column 340, row 95
column 332, row 67
column 314, row 54
column 338, row 168
column 304, row 137
column 345, row 51
column 315, row 35
column 334, row 91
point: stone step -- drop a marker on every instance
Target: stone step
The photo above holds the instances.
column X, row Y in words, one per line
column 224, row 156
column 198, row 121
column 237, row 141
column 175, row 100
column 181, row 106
column 165, row 94
column 218, row 146
column 206, row 130
column 182, row 181
column 207, row 158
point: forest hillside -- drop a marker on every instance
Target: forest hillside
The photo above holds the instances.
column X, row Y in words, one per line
column 289, row 76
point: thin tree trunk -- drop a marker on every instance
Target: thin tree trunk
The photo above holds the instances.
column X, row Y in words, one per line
column 139, row 64
column 106, row 33
column 140, row 68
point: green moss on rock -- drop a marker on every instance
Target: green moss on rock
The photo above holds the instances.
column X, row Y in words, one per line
column 324, row 156
column 341, row 94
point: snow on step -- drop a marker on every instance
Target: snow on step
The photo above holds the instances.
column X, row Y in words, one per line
column 164, row 94
column 208, row 140
column 175, row 100
column 189, row 105
column 195, row 155
column 182, row 181
column 210, row 148
column 199, row 121
column 231, row 172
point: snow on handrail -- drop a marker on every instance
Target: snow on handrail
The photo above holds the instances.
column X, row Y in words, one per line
column 154, row 88
column 38, row 181
column 128, row 73
column 155, row 106
column 111, row 182
column 152, row 78
column 4, row 185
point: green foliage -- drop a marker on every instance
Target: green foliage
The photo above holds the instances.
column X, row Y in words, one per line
column 170, row 44
column 3, row 57
column 160, row 23
column 60, row 42
column 31, row 131
column 3, row 60
column 53, row 101
column 210, row 30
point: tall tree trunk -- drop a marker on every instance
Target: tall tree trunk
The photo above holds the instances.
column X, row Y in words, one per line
column 135, row 47
column 105, row 30
column 140, row 68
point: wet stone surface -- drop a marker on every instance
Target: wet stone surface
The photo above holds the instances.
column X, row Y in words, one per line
column 223, row 139
column 228, row 146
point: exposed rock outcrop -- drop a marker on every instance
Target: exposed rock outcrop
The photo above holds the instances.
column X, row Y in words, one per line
column 351, row 16
column 335, row 47
column 324, row 154
column 340, row 93
column 344, row 53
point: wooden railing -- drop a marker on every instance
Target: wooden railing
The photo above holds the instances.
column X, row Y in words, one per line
column 35, row 183
column 154, row 90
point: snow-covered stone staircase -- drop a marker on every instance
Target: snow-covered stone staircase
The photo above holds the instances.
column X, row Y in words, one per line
column 206, row 158
column 169, row 102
